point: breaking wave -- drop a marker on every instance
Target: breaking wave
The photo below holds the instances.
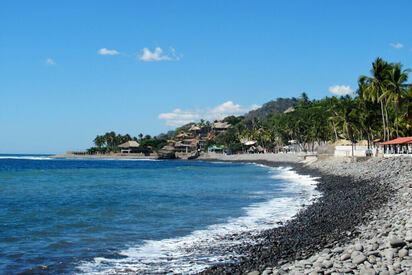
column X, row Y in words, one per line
column 26, row 157
column 203, row 248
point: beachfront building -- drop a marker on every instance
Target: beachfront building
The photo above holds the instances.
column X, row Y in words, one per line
column 399, row 146
column 214, row 150
column 128, row 147
column 183, row 135
column 195, row 130
column 220, row 126
column 248, row 145
column 186, row 145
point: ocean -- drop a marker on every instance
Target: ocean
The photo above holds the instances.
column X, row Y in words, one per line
column 137, row 216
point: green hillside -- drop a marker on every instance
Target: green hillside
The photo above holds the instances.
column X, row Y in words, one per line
column 277, row 106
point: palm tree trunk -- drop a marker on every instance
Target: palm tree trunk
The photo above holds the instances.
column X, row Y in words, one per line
column 369, row 139
column 383, row 121
column 396, row 111
column 388, row 124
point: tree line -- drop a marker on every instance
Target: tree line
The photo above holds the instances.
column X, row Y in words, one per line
column 110, row 141
column 381, row 107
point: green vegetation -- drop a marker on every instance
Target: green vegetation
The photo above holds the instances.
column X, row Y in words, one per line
column 109, row 142
column 277, row 106
column 381, row 108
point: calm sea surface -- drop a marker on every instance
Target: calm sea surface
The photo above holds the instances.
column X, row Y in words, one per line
column 122, row 216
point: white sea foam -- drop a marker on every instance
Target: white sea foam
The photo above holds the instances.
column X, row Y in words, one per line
column 25, row 157
column 197, row 251
column 125, row 159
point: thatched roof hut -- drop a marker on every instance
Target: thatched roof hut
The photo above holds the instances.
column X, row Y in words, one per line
column 129, row 144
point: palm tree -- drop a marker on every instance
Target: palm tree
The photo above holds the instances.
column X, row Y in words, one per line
column 345, row 116
column 99, row 141
column 374, row 87
column 110, row 141
column 406, row 109
column 396, row 88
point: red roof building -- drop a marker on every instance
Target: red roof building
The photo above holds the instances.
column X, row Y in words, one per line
column 398, row 146
column 403, row 140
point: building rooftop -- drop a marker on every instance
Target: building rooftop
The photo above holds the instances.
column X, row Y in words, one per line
column 129, row 144
column 402, row 140
column 221, row 125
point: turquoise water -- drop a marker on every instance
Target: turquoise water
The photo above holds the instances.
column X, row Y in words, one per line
column 113, row 216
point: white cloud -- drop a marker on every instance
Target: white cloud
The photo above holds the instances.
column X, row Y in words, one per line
column 157, row 55
column 104, row 51
column 340, row 90
column 228, row 108
column 179, row 117
column 396, row 45
column 50, row 62
column 175, row 55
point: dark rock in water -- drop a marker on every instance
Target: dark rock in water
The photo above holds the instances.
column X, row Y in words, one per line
column 186, row 156
column 167, row 152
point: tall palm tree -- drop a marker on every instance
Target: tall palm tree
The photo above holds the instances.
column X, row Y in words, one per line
column 406, row 109
column 396, row 88
column 374, row 87
column 99, row 141
column 345, row 116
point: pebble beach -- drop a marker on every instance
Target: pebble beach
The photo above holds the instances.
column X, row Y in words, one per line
column 362, row 223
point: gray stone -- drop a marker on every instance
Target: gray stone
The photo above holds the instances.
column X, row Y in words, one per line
column 372, row 259
column 354, row 254
column 397, row 266
column 327, row 264
column 389, row 255
column 367, row 271
column 253, row 273
column 396, row 242
column 317, row 264
column 359, row 259
column 375, row 246
column 374, row 253
column 345, row 257
column 358, row 247
column 402, row 253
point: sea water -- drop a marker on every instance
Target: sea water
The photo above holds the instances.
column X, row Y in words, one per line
column 136, row 216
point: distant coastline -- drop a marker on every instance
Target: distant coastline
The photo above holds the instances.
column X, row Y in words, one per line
column 104, row 156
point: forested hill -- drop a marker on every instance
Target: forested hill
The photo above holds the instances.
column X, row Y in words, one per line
column 272, row 107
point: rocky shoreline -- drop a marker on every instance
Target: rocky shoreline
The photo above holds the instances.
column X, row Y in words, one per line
column 362, row 224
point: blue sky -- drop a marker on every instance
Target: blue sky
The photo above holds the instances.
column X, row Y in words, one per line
column 73, row 69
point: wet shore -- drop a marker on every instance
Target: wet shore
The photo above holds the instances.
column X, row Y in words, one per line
column 360, row 225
